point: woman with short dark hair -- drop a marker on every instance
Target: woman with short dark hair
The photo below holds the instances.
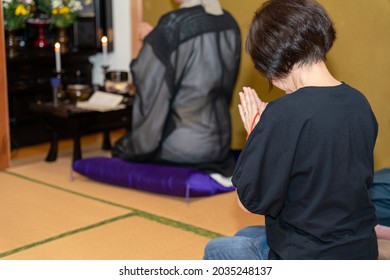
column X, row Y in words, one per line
column 288, row 33
column 308, row 161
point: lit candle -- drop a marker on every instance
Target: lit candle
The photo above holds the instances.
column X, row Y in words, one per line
column 58, row 57
column 104, row 48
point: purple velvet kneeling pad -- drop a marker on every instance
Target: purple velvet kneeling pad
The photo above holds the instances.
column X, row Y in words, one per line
column 156, row 178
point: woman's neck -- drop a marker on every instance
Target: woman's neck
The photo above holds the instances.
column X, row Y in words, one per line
column 316, row 74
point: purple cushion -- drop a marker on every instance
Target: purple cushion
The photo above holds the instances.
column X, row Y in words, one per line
column 156, row 178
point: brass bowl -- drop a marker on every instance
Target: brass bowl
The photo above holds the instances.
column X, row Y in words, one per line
column 78, row 92
column 117, row 82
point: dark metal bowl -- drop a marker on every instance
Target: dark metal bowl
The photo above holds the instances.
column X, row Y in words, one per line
column 117, row 76
column 78, row 92
column 117, row 82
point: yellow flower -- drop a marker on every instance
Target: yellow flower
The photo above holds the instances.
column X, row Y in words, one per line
column 64, row 10
column 60, row 11
column 16, row 13
column 21, row 10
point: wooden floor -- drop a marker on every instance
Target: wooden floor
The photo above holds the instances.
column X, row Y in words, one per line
column 38, row 152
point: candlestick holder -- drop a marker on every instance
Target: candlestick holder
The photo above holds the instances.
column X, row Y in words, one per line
column 105, row 70
column 59, row 74
column 57, row 87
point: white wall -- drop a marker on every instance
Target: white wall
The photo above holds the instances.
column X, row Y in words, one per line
column 120, row 58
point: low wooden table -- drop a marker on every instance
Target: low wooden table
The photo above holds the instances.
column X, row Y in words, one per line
column 67, row 119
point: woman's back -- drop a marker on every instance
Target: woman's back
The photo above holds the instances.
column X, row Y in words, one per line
column 327, row 136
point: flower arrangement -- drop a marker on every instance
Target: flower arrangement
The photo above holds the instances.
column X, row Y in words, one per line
column 43, row 8
column 16, row 13
column 63, row 13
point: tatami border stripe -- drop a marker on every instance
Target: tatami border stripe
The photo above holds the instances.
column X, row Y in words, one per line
column 136, row 212
column 66, row 234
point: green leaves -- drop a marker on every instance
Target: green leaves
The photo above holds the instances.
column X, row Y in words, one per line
column 16, row 13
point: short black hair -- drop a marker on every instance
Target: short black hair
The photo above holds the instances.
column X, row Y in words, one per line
column 288, row 32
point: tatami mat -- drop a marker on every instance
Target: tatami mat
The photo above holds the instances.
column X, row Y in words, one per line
column 31, row 212
column 219, row 213
column 121, row 240
column 48, row 212
column 46, row 215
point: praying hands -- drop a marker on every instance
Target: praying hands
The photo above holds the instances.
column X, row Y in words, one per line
column 250, row 108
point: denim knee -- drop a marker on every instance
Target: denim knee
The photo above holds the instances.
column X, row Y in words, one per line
column 236, row 248
column 252, row 232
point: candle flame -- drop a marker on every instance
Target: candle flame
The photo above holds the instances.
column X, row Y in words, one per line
column 57, row 46
column 104, row 40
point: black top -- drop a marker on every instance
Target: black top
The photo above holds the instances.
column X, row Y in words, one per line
column 307, row 167
column 184, row 77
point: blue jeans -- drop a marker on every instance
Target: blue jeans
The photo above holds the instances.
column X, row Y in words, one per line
column 249, row 243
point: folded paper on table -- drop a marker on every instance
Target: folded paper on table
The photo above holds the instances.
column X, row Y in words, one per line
column 102, row 101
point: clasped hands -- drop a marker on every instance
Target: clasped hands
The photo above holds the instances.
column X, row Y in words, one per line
column 251, row 108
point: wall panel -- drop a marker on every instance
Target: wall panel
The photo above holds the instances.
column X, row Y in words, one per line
column 359, row 57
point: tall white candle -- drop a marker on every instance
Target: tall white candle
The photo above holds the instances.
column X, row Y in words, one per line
column 104, row 48
column 58, row 57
